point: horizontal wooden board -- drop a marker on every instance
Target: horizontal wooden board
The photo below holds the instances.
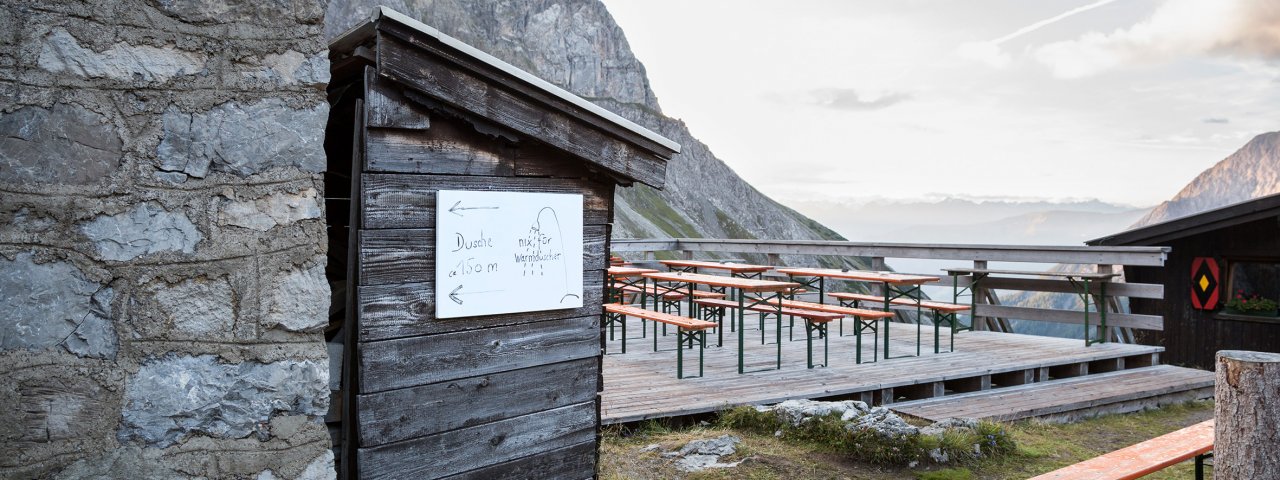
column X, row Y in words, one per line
column 1114, row 289
column 407, row 362
column 386, row 107
column 576, row 462
column 398, row 256
column 1128, row 320
column 409, row 201
column 602, row 142
column 440, row 150
column 406, row 413
column 406, row 310
column 466, row 449
column 1143, row 256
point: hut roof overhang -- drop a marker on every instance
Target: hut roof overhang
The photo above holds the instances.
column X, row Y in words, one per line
column 1219, row 218
column 464, row 78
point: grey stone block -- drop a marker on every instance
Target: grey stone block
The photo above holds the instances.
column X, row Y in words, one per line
column 144, row 229
column 198, row 307
column 173, row 397
column 62, row 53
column 66, row 144
column 300, row 300
column 243, row 139
column 53, row 304
column 272, row 210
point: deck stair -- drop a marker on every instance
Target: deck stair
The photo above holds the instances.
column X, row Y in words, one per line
column 1070, row 399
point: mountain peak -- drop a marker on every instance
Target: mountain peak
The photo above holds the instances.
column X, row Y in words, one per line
column 1252, row 171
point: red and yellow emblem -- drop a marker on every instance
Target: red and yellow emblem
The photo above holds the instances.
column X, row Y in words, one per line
column 1204, row 283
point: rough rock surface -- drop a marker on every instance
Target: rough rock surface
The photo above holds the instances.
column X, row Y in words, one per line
column 118, row 279
column 242, row 139
column 53, row 305
column 79, row 146
column 62, row 53
column 176, row 396
column 1251, row 172
column 198, row 307
column 272, row 210
column 144, row 229
column 704, row 454
column 857, row 416
column 300, row 300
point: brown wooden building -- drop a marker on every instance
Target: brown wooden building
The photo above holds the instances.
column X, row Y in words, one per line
column 511, row 395
column 1216, row 256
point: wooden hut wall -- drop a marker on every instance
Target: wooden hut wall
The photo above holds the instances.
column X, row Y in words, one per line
column 1191, row 337
column 496, row 396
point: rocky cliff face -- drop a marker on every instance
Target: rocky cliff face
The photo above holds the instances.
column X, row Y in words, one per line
column 1251, row 172
column 576, row 44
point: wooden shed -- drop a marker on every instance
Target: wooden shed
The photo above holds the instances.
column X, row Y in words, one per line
column 1216, row 256
column 456, row 182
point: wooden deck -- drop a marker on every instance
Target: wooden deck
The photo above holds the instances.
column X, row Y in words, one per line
column 642, row 384
column 1072, row 398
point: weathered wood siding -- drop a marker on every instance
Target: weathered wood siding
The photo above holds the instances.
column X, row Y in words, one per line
column 1191, row 337
column 497, row 396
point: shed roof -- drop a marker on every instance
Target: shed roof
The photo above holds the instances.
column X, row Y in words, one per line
column 568, row 103
column 1230, row 215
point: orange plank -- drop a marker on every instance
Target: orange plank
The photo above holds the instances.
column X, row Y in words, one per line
column 1143, row 458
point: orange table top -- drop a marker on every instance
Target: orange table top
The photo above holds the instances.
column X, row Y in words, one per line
column 860, row 275
column 744, row 284
column 629, row 271
column 727, row 266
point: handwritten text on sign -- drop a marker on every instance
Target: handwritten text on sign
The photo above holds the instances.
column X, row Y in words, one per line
column 506, row 252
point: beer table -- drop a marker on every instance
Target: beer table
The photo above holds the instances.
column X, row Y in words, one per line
column 768, row 290
column 741, row 270
column 894, row 286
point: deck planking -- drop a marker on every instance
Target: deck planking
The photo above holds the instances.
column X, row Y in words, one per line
column 1068, row 395
column 642, row 384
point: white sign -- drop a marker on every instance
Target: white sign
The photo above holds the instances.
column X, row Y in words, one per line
column 506, row 252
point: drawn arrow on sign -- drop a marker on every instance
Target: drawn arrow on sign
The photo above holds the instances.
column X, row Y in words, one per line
column 458, row 207
column 454, row 295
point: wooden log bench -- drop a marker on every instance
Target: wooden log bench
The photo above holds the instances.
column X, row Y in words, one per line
column 688, row 331
column 1146, row 457
column 866, row 321
column 942, row 312
column 814, row 321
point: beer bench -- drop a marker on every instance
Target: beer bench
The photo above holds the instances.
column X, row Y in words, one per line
column 688, row 331
column 866, row 321
column 941, row 311
column 814, row 321
column 1144, row 458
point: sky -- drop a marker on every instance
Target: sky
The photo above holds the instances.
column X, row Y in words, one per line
column 813, row 100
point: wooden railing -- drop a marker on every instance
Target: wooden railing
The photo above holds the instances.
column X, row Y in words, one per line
column 988, row 312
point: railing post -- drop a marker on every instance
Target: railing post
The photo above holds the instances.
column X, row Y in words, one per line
column 1110, row 332
column 877, row 264
column 979, row 297
column 686, row 254
column 773, row 259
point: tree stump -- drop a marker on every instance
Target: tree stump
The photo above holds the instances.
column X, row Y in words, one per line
column 1246, row 440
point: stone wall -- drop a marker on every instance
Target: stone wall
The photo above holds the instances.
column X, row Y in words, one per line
column 162, row 242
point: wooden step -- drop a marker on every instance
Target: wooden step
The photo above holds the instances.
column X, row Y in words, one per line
column 1073, row 398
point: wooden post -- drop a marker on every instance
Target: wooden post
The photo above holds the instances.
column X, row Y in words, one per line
column 686, row 254
column 877, row 264
column 1246, row 443
column 979, row 297
column 1101, row 303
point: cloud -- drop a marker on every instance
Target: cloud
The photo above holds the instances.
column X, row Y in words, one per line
column 1177, row 28
column 849, row 99
column 989, row 52
column 1216, row 120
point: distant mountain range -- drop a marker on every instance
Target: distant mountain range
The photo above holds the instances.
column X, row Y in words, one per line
column 956, row 220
